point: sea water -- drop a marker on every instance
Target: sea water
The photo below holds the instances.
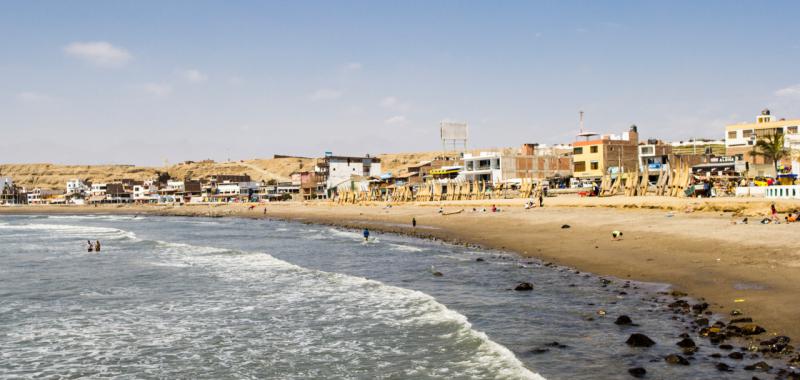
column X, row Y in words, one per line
column 240, row 298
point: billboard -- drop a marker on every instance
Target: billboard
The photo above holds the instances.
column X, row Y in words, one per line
column 453, row 130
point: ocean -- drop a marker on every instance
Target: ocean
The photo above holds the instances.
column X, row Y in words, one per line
column 228, row 298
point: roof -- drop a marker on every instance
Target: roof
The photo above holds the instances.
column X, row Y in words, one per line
column 421, row 164
column 373, row 159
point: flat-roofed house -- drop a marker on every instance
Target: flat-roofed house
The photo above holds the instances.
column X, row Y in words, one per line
column 740, row 140
column 610, row 154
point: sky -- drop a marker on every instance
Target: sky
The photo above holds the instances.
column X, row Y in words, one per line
column 155, row 82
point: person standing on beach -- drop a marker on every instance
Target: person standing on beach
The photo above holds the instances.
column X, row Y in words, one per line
column 541, row 200
column 774, row 213
column 366, row 234
column 414, row 222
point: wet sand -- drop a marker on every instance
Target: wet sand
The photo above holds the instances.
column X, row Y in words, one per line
column 700, row 252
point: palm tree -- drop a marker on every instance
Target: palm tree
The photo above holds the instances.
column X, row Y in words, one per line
column 771, row 148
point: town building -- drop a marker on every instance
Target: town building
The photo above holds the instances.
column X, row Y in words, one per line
column 531, row 161
column 77, row 187
column 147, row 192
column 40, row 196
column 740, row 140
column 334, row 170
column 654, row 156
column 610, row 154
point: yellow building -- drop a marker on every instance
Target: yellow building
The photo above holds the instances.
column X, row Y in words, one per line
column 740, row 139
column 591, row 159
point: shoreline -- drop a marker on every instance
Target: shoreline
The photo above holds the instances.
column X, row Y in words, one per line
column 746, row 267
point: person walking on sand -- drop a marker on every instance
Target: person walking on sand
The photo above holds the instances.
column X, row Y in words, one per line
column 774, row 213
column 414, row 222
column 97, row 246
column 91, row 247
column 541, row 200
column 366, row 234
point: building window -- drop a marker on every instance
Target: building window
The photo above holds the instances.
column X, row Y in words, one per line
column 593, row 149
column 594, row 165
column 578, row 150
column 580, row 166
column 791, row 129
column 732, row 134
column 747, row 133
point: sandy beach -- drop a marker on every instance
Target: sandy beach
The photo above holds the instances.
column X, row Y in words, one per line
column 689, row 243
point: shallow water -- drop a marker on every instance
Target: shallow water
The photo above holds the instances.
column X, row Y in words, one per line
column 237, row 298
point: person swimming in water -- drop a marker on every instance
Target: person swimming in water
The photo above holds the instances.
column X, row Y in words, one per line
column 96, row 246
column 366, row 234
column 91, row 246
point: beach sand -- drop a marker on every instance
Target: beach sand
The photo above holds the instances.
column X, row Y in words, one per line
column 753, row 268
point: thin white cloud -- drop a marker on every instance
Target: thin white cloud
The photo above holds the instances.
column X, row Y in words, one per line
column 32, row 97
column 395, row 120
column 393, row 103
column 157, row 90
column 353, row 66
column 325, row 94
column 98, row 53
column 193, row 76
column 789, row 91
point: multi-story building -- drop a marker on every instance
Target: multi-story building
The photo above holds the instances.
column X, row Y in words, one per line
column 653, row 155
column 77, row 187
column 334, row 170
column 39, row 196
column 610, row 154
column 531, row 161
column 740, row 140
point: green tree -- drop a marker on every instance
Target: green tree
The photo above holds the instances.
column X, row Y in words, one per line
column 771, row 147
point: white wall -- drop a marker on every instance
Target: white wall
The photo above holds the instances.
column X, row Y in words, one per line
column 782, row 192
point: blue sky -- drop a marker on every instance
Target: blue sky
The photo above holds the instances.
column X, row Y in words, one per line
column 142, row 82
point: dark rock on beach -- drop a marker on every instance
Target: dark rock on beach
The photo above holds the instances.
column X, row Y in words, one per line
column 760, row 366
column 480, row 259
column 639, row 340
column 637, row 372
column 723, row 367
column 686, row 342
column 752, row 329
column 524, row 286
column 736, row 355
column 623, row 320
column 776, row 345
column 676, row 359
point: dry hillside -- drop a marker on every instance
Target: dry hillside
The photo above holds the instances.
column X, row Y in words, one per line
column 52, row 176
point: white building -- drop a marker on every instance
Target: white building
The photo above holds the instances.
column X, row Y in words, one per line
column 98, row 189
column 77, row 187
column 146, row 193
column 229, row 189
column 484, row 167
column 177, row 186
column 5, row 182
column 343, row 168
column 792, row 143
column 39, row 196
